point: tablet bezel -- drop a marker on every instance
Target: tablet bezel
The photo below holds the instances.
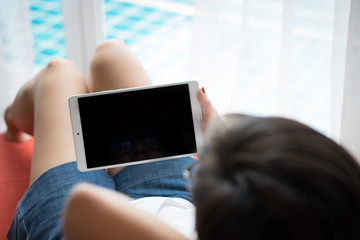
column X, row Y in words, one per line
column 78, row 133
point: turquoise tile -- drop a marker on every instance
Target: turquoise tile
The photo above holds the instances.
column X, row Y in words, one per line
column 37, row 21
column 49, row 52
column 130, row 22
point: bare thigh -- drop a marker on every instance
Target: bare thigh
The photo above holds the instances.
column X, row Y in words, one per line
column 115, row 67
column 41, row 108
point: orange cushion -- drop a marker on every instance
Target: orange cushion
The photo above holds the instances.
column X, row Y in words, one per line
column 15, row 161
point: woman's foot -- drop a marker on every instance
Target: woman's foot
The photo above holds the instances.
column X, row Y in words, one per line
column 13, row 133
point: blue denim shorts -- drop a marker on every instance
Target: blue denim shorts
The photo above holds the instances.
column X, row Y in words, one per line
column 38, row 214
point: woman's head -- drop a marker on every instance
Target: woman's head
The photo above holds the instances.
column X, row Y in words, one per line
column 274, row 178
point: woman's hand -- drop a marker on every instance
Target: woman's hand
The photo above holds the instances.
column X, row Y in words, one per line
column 208, row 111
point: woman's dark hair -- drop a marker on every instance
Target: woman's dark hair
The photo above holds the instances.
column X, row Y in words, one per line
column 275, row 178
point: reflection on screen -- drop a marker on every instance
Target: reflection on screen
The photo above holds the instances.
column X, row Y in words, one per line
column 137, row 125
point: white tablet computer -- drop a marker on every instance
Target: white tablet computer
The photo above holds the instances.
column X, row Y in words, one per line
column 136, row 125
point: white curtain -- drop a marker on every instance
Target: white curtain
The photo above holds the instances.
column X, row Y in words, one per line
column 293, row 58
column 350, row 124
column 16, row 57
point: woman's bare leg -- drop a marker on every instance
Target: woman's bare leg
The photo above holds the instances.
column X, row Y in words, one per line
column 41, row 109
column 114, row 67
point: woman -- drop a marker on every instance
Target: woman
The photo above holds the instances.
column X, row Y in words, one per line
column 258, row 178
column 41, row 109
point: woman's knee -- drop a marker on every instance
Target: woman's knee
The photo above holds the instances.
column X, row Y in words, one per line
column 60, row 74
column 107, row 54
column 110, row 48
column 114, row 66
column 59, row 63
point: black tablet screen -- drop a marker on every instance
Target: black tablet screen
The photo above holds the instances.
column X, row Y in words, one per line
column 137, row 125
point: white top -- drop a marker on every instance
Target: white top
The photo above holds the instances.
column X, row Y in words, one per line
column 178, row 213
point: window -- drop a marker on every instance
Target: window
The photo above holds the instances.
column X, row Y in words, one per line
column 158, row 32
